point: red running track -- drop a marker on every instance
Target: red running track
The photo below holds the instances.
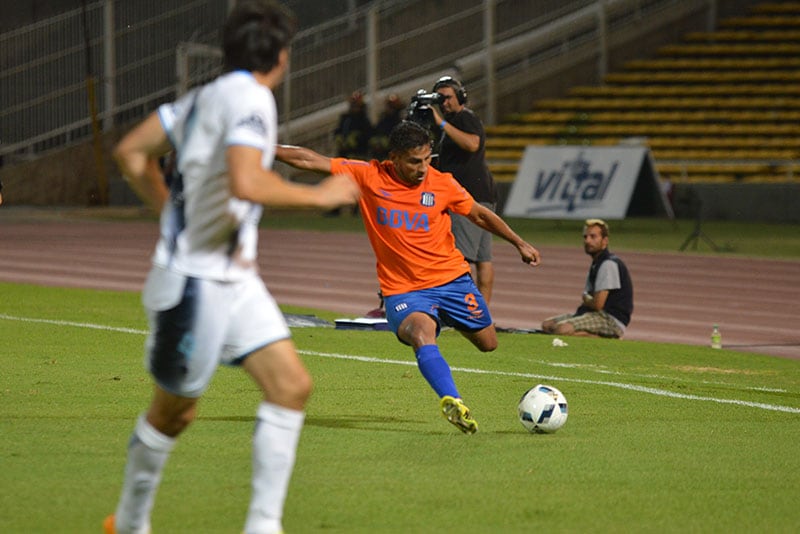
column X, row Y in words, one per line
column 678, row 296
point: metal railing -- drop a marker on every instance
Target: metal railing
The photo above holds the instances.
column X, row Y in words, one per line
column 117, row 56
column 124, row 53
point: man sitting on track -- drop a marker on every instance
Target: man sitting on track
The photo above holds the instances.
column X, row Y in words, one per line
column 608, row 296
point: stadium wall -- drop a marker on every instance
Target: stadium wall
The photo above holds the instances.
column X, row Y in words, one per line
column 769, row 203
column 61, row 177
column 772, row 203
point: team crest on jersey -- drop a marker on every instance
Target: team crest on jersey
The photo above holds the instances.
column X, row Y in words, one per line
column 427, row 199
column 255, row 123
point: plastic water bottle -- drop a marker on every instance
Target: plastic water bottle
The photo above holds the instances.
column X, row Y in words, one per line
column 716, row 338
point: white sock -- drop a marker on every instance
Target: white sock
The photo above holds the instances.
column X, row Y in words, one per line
column 148, row 451
column 274, row 448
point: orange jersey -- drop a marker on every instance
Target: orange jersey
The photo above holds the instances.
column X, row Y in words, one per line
column 409, row 226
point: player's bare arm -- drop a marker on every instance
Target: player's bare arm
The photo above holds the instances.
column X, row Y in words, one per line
column 137, row 157
column 303, row 158
column 490, row 221
column 250, row 181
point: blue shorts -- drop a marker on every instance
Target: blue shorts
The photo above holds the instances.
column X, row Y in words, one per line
column 458, row 304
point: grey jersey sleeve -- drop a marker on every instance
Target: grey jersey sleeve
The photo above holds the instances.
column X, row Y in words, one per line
column 607, row 277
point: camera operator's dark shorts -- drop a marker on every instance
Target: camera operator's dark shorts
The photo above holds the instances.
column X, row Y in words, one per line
column 474, row 242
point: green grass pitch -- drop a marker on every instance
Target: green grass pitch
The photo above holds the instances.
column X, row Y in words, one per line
column 660, row 438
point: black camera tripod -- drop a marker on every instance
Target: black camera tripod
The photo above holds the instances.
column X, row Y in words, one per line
column 696, row 206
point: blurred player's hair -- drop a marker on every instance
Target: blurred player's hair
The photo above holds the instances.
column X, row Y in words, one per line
column 254, row 34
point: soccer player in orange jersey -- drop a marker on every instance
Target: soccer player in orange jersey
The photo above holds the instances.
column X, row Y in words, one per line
column 405, row 205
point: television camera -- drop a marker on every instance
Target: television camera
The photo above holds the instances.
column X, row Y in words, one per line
column 419, row 109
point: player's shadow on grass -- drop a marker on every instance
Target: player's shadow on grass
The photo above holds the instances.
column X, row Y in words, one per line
column 359, row 422
column 363, row 422
column 385, row 424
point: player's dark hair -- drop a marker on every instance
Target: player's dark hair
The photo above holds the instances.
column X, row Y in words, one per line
column 408, row 135
column 255, row 33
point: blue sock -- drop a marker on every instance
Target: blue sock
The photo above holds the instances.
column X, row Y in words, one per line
column 436, row 371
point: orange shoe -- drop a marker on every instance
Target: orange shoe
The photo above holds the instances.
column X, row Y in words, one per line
column 109, row 526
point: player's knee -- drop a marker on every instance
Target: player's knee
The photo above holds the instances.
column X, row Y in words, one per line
column 303, row 388
column 172, row 422
column 418, row 329
column 485, row 340
column 489, row 346
column 293, row 393
column 185, row 418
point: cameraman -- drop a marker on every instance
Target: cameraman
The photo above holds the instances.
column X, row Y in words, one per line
column 462, row 153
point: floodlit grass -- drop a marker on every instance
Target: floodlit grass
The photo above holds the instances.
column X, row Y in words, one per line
column 660, row 438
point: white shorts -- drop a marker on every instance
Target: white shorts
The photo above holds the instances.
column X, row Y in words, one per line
column 196, row 325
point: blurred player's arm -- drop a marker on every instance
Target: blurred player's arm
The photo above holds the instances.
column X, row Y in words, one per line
column 137, row 156
column 250, row 181
column 491, row 222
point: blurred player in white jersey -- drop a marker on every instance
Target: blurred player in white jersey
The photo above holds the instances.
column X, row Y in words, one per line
column 205, row 301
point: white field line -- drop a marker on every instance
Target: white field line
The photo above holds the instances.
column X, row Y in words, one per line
column 75, row 324
column 600, row 370
column 620, row 385
column 368, row 359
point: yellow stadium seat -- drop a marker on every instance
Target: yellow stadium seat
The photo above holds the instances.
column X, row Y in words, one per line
column 723, row 106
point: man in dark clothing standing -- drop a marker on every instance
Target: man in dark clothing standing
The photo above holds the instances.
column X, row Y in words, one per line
column 354, row 129
column 462, row 149
column 390, row 117
column 352, row 135
column 608, row 296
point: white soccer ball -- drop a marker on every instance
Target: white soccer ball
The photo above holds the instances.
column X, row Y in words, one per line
column 542, row 409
